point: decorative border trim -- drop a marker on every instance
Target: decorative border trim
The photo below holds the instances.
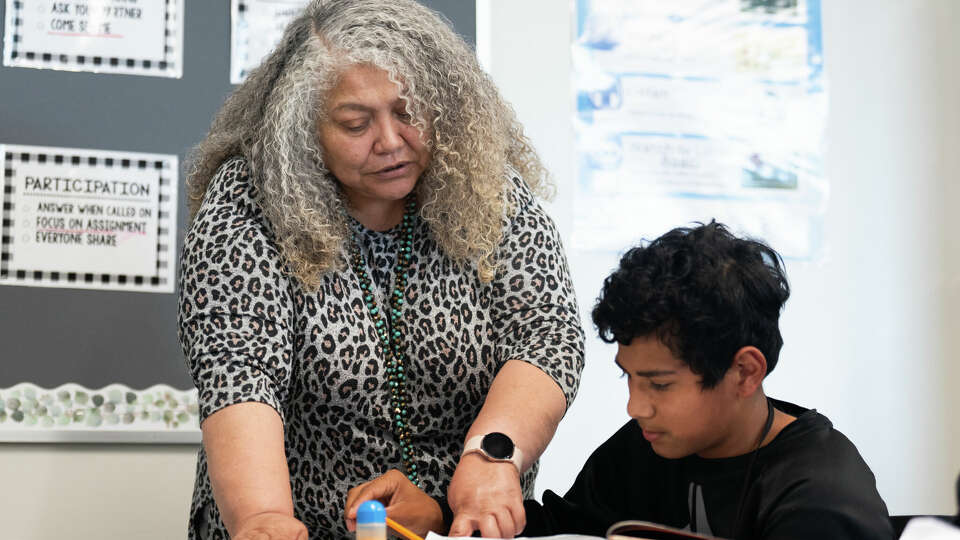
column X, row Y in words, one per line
column 114, row 413
column 168, row 66
column 161, row 281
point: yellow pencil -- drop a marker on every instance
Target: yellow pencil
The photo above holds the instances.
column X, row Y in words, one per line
column 405, row 532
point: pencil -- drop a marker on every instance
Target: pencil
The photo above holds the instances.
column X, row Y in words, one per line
column 405, row 532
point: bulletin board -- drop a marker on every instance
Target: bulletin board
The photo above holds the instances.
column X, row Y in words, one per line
column 83, row 364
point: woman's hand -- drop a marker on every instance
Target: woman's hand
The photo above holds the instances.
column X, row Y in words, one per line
column 485, row 496
column 406, row 504
column 271, row 526
column 526, row 404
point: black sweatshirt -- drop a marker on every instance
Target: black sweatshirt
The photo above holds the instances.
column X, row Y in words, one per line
column 809, row 482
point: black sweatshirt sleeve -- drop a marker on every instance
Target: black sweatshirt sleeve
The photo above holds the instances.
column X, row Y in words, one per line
column 573, row 514
column 594, row 502
column 600, row 496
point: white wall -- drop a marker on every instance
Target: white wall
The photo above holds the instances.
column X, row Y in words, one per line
column 94, row 492
column 870, row 330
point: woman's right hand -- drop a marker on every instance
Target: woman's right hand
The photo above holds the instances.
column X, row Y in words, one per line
column 271, row 526
column 405, row 503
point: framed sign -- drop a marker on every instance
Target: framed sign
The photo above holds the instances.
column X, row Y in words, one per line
column 138, row 37
column 88, row 219
column 257, row 28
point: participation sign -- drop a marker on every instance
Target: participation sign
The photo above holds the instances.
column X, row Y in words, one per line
column 140, row 37
column 88, row 219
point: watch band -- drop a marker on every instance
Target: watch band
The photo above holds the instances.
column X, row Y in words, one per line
column 474, row 445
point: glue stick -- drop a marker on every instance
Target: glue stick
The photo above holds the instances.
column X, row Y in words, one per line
column 371, row 521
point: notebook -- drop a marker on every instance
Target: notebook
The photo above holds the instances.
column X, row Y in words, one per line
column 622, row 530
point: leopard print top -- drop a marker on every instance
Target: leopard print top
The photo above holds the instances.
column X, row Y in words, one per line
column 249, row 332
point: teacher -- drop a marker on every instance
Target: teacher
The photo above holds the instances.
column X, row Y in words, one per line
column 369, row 282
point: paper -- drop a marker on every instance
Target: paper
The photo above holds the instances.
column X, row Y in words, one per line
column 142, row 37
column 435, row 536
column 689, row 111
column 88, row 218
column 625, row 530
column 258, row 26
column 929, row 528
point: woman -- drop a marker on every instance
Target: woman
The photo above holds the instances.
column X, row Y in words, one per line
column 368, row 282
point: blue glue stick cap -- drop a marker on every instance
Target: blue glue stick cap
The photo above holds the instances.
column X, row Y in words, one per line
column 371, row 512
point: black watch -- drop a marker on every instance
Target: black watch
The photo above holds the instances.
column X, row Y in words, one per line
column 495, row 446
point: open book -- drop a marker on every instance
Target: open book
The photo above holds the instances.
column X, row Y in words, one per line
column 622, row 530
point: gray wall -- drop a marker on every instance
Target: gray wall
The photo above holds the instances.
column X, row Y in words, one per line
column 94, row 338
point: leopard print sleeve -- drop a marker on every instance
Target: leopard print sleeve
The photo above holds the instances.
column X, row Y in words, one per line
column 534, row 308
column 234, row 300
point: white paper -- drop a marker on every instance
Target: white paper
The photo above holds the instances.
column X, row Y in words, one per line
column 928, row 528
column 689, row 111
column 88, row 218
column 143, row 37
column 435, row 536
column 257, row 28
column 72, row 219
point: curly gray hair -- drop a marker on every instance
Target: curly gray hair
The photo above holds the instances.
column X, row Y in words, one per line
column 272, row 121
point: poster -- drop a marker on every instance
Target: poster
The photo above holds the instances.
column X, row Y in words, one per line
column 692, row 110
column 139, row 37
column 88, row 219
column 257, row 28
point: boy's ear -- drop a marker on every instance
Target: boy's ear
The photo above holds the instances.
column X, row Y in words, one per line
column 749, row 368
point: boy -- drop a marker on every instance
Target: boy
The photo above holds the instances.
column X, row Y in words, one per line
column 695, row 316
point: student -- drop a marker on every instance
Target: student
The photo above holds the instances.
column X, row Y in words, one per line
column 695, row 316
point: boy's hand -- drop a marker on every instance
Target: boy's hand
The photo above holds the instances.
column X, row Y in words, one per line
column 406, row 504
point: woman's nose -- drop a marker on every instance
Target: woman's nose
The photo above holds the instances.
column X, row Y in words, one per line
column 389, row 139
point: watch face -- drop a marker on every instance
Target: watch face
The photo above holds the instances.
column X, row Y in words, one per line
column 497, row 445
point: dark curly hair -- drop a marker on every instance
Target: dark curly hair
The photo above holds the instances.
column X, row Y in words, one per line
column 703, row 292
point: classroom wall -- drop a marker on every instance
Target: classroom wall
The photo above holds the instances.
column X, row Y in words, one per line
column 871, row 330
column 94, row 492
column 949, row 88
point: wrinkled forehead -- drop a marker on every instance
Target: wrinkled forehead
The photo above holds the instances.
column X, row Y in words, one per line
column 364, row 85
column 354, row 73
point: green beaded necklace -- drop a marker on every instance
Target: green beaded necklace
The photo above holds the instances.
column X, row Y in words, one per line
column 392, row 335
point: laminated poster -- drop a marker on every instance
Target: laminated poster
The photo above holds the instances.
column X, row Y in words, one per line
column 88, row 219
column 690, row 110
column 257, row 28
column 138, row 37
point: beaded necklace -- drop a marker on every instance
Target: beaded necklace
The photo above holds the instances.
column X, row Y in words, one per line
column 392, row 335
